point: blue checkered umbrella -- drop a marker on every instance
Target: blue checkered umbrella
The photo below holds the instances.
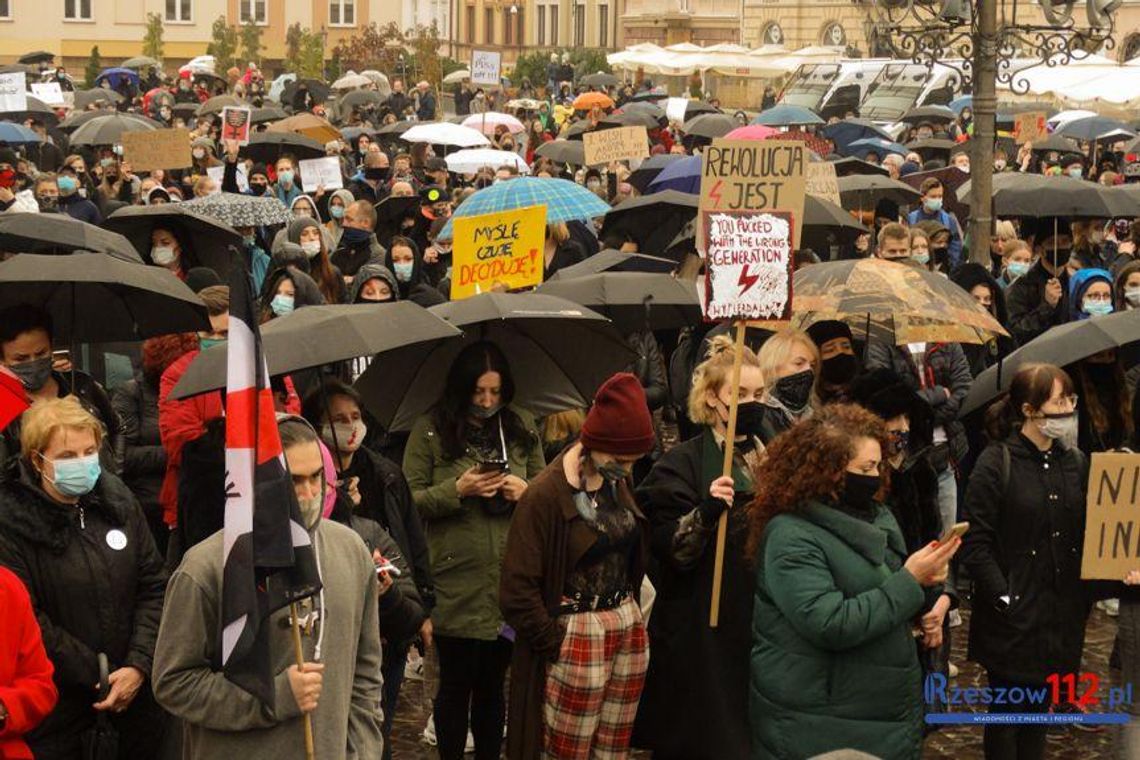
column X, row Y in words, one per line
column 564, row 200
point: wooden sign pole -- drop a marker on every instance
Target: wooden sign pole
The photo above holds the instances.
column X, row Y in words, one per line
column 729, row 441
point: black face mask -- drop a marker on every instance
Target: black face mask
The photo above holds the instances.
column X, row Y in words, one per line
column 859, row 491
column 839, row 369
column 794, row 391
column 749, row 418
column 257, row 188
column 376, row 173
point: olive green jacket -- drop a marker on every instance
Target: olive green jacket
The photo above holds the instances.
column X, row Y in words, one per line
column 466, row 543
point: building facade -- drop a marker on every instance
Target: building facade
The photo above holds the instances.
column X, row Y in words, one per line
column 670, row 22
column 70, row 28
column 514, row 27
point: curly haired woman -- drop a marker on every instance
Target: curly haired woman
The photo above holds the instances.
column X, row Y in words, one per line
column 833, row 657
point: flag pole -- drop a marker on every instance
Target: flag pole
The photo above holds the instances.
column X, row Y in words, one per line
column 300, row 655
column 729, row 441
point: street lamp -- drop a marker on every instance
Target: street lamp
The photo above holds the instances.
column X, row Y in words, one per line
column 985, row 42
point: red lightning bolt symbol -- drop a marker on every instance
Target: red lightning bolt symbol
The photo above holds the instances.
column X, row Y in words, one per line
column 714, row 193
column 746, row 280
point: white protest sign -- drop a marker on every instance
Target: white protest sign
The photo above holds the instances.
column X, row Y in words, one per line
column 749, row 263
column 217, row 173
column 13, row 92
column 49, row 93
column 675, row 109
column 320, row 171
column 486, row 67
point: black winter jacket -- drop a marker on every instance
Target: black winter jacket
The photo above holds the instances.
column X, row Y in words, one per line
column 1025, row 540
column 144, row 465
column 649, row 368
column 89, row 596
column 1029, row 315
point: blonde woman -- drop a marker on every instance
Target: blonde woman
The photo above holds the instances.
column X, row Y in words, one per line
column 695, row 674
column 77, row 538
column 789, row 361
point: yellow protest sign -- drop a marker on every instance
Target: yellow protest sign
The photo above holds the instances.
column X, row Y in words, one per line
column 1112, row 517
column 501, row 251
column 604, row 145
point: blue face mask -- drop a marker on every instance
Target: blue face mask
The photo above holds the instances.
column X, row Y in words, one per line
column 75, row 477
column 281, row 305
column 249, row 240
column 205, row 343
column 336, row 211
column 932, row 204
column 1018, row 268
column 1096, row 308
column 921, row 258
column 403, row 271
column 285, row 177
column 67, row 185
column 354, row 236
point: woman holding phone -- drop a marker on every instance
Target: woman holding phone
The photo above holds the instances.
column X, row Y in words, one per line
column 468, row 462
column 1026, row 506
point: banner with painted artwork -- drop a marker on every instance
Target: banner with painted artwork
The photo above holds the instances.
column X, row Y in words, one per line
column 749, row 265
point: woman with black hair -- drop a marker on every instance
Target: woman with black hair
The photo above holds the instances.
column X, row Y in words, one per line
column 406, row 261
column 1105, row 404
column 468, row 462
column 286, row 290
column 975, row 280
column 307, row 233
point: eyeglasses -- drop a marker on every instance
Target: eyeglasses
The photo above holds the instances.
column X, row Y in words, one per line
column 1069, row 401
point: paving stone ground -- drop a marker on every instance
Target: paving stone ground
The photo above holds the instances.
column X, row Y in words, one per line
column 953, row 742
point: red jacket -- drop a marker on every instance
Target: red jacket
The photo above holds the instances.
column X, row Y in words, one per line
column 26, row 686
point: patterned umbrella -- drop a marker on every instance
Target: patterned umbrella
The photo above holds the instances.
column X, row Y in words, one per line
column 238, row 210
column 907, row 303
column 821, row 146
column 564, row 200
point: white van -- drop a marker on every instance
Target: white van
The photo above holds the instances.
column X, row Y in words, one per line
column 832, row 89
column 900, row 87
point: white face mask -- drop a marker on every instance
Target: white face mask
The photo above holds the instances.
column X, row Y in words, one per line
column 311, row 248
column 348, row 438
column 1132, row 296
column 1062, row 428
column 198, row 153
column 163, row 255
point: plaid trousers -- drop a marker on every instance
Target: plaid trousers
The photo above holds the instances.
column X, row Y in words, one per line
column 593, row 689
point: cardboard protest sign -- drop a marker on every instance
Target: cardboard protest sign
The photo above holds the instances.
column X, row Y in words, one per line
column 486, row 66
column 236, row 123
column 1112, row 517
column 748, row 263
column 320, row 171
column 157, row 149
column 1030, row 127
column 49, row 92
column 822, row 182
column 754, row 175
column 501, row 251
column 604, row 145
column 13, row 92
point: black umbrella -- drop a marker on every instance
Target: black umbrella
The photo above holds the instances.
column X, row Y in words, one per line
column 611, row 260
column 215, row 105
column 601, row 79
column 628, row 119
column 359, row 99
column 36, row 56
column 931, row 145
column 563, row 151
column 709, row 125
column 204, row 240
column 695, row 108
column 104, row 300
column 318, row 89
column 577, row 129
column 1061, row 345
column 346, row 332
column 864, row 191
column 654, row 110
column 140, row 62
column 267, row 147
column 79, row 118
column 633, row 300
column 107, row 130
column 394, row 208
column 559, row 352
column 1056, row 142
column 397, row 127
column 820, row 212
column 59, row 234
column 267, row 114
column 931, row 114
column 650, row 168
column 84, row 98
column 846, row 167
column 34, row 109
column 653, row 221
column 1035, row 195
column 185, row 111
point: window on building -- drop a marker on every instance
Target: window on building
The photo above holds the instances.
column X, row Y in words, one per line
column 520, row 26
column 603, row 26
column 342, row 12
column 252, row 10
column 541, row 25
column 509, row 28
column 579, row 25
column 178, row 10
column 554, row 25
column 470, row 23
column 489, row 26
column 77, row 10
column 5, row 9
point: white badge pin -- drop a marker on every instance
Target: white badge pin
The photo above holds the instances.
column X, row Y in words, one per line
column 116, row 539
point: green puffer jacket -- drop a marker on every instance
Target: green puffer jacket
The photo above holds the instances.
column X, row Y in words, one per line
column 834, row 664
column 466, row 544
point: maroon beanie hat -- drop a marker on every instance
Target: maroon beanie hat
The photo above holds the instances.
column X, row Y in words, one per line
column 619, row 422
